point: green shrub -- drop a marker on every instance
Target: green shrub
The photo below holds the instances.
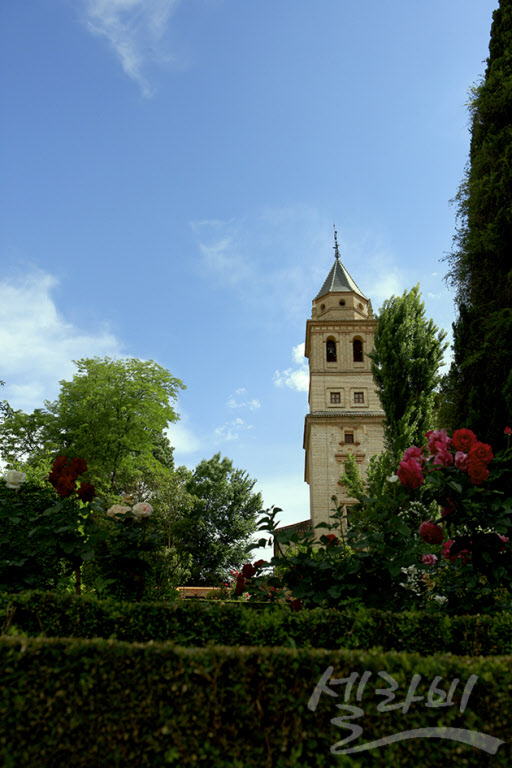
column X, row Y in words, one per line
column 108, row 703
column 200, row 623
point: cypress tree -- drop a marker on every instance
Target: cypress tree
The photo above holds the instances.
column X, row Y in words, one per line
column 408, row 351
column 478, row 388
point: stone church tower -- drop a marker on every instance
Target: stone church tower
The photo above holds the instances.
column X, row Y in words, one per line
column 344, row 409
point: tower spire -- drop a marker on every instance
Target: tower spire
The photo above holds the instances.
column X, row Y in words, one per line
column 336, row 249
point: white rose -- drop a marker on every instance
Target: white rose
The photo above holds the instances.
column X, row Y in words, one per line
column 13, row 478
column 142, row 509
column 440, row 599
column 392, row 479
column 117, row 509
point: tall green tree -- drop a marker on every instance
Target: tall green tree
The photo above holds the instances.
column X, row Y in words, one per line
column 478, row 389
column 113, row 413
column 218, row 525
column 408, row 350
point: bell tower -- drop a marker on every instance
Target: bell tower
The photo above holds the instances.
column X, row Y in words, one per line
column 344, row 410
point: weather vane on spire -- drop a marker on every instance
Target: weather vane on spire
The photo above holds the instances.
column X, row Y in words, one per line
column 336, row 249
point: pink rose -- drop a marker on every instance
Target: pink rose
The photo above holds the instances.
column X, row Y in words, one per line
column 508, row 431
column 463, row 440
column 437, row 440
column 410, row 474
column 443, row 458
column 461, row 461
column 429, row 559
column 414, row 453
column 431, row 533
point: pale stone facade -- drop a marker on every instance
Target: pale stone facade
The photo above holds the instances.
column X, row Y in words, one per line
column 345, row 413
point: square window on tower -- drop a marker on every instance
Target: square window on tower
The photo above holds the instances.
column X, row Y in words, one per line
column 335, row 397
column 358, row 397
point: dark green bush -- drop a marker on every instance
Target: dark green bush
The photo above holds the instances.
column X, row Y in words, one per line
column 26, row 562
column 195, row 623
column 102, row 702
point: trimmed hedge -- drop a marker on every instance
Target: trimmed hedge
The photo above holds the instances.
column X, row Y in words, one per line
column 191, row 623
column 109, row 704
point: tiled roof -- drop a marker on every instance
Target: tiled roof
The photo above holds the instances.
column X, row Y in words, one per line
column 339, row 281
column 305, row 525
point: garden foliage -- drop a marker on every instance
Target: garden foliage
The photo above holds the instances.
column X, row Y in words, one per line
column 478, row 390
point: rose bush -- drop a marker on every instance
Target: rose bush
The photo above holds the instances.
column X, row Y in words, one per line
column 60, row 533
column 316, row 568
column 468, row 484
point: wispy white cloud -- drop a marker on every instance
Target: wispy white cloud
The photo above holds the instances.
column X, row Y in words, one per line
column 222, row 247
column 38, row 344
column 231, row 430
column 251, row 404
column 296, row 378
column 135, row 30
column 183, row 438
column 268, row 259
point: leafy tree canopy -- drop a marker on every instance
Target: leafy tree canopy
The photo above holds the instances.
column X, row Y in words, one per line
column 113, row 413
column 216, row 529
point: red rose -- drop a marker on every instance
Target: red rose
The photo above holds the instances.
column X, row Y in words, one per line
column 65, row 485
column 78, row 466
column 410, row 474
column 464, row 554
column 86, row 492
column 248, row 570
column 463, row 440
column 260, row 563
column 480, row 453
column 508, row 431
column 57, row 467
column 53, row 477
column 478, row 473
column 332, row 539
column 448, row 508
column 59, row 463
column 240, row 583
column 431, row 533
column 295, row 605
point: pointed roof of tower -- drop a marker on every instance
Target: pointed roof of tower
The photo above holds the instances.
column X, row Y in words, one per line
column 339, row 280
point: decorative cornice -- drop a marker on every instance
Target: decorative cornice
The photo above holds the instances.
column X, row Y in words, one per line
column 345, row 414
column 323, row 325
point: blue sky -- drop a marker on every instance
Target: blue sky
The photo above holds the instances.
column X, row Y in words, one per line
column 171, row 173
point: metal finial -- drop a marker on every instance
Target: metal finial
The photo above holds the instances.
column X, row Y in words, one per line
column 336, row 249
